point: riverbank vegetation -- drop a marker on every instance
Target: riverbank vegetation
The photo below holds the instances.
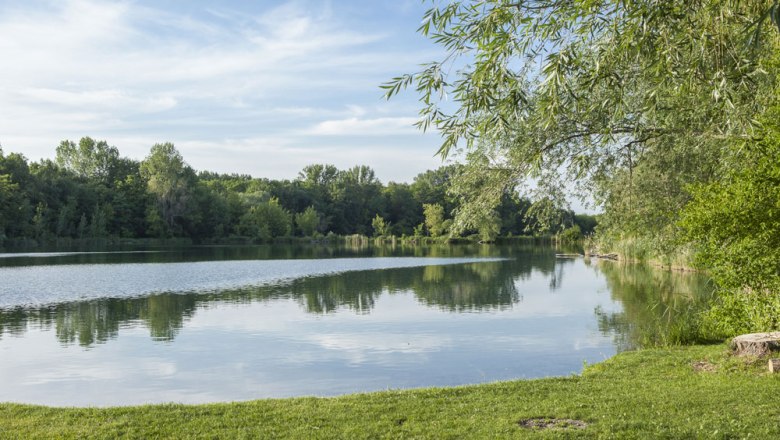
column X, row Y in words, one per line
column 683, row 392
column 665, row 114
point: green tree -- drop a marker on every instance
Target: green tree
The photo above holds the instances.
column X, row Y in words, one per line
column 66, row 218
column 433, row 186
column 19, row 212
column 381, row 228
column 89, row 158
column 318, row 175
column 169, row 179
column 590, row 91
column 39, row 222
column 571, row 235
column 266, row 221
column 307, row 221
column 586, row 222
column 130, row 201
column 319, row 181
column 7, row 202
column 357, row 197
column 99, row 221
column 512, row 213
column 434, row 219
column 81, row 229
column 736, row 224
column 489, row 227
column 401, row 208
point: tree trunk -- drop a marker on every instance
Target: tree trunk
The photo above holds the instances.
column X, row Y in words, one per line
column 756, row 344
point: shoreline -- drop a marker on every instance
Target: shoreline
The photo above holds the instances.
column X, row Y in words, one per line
column 662, row 392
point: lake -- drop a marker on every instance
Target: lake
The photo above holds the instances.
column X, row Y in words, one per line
column 213, row 324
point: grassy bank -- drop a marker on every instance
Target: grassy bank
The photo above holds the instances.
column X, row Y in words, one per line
column 684, row 392
column 658, row 253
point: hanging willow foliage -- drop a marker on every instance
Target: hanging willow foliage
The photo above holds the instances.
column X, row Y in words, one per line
column 582, row 89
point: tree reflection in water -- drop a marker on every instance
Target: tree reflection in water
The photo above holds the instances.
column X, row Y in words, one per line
column 657, row 305
column 462, row 287
column 660, row 307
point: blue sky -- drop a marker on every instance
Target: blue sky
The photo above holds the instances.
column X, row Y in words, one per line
column 256, row 87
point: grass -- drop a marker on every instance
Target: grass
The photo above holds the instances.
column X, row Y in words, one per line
column 646, row 250
column 646, row 394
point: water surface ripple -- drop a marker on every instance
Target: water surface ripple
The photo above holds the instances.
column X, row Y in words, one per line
column 42, row 285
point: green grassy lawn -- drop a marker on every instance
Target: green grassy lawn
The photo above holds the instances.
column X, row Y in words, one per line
column 646, row 394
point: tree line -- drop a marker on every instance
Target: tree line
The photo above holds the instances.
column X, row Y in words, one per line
column 89, row 191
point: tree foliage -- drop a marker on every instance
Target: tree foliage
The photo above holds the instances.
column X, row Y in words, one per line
column 266, row 221
column 434, row 219
column 590, row 91
column 89, row 158
column 380, row 226
column 7, row 192
column 170, row 180
column 163, row 197
column 307, row 221
column 637, row 104
column 736, row 224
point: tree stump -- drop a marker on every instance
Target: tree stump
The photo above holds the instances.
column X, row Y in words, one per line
column 774, row 365
column 756, row 344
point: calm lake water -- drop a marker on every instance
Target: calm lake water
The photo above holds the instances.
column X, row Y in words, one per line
column 214, row 324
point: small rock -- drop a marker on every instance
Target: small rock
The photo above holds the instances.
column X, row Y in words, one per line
column 774, row 365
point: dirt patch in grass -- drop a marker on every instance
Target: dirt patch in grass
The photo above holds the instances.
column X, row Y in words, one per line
column 703, row 366
column 551, row 423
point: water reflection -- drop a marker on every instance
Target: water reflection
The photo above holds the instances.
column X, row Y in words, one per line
column 262, row 252
column 339, row 325
column 659, row 307
column 464, row 287
column 98, row 321
column 656, row 306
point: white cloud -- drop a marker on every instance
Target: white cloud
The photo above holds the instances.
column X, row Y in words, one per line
column 362, row 347
column 282, row 158
column 263, row 92
column 365, row 127
column 111, row 98
column 87, row 43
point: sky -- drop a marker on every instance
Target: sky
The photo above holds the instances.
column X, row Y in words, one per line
column 253, row 87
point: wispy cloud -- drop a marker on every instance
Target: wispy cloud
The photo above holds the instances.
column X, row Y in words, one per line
column 366, row 127
column 112, row 98
column 297, row 76
column 85, row 43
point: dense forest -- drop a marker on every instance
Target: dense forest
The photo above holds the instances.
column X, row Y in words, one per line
column 90, row 192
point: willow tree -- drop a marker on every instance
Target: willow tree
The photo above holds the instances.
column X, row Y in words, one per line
column 592, row 91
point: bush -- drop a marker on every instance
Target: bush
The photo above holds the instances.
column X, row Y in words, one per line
column 736, row 223
column 266, row 221
column 571, row 235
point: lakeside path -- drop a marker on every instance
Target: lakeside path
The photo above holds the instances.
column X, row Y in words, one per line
column 683, row 392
